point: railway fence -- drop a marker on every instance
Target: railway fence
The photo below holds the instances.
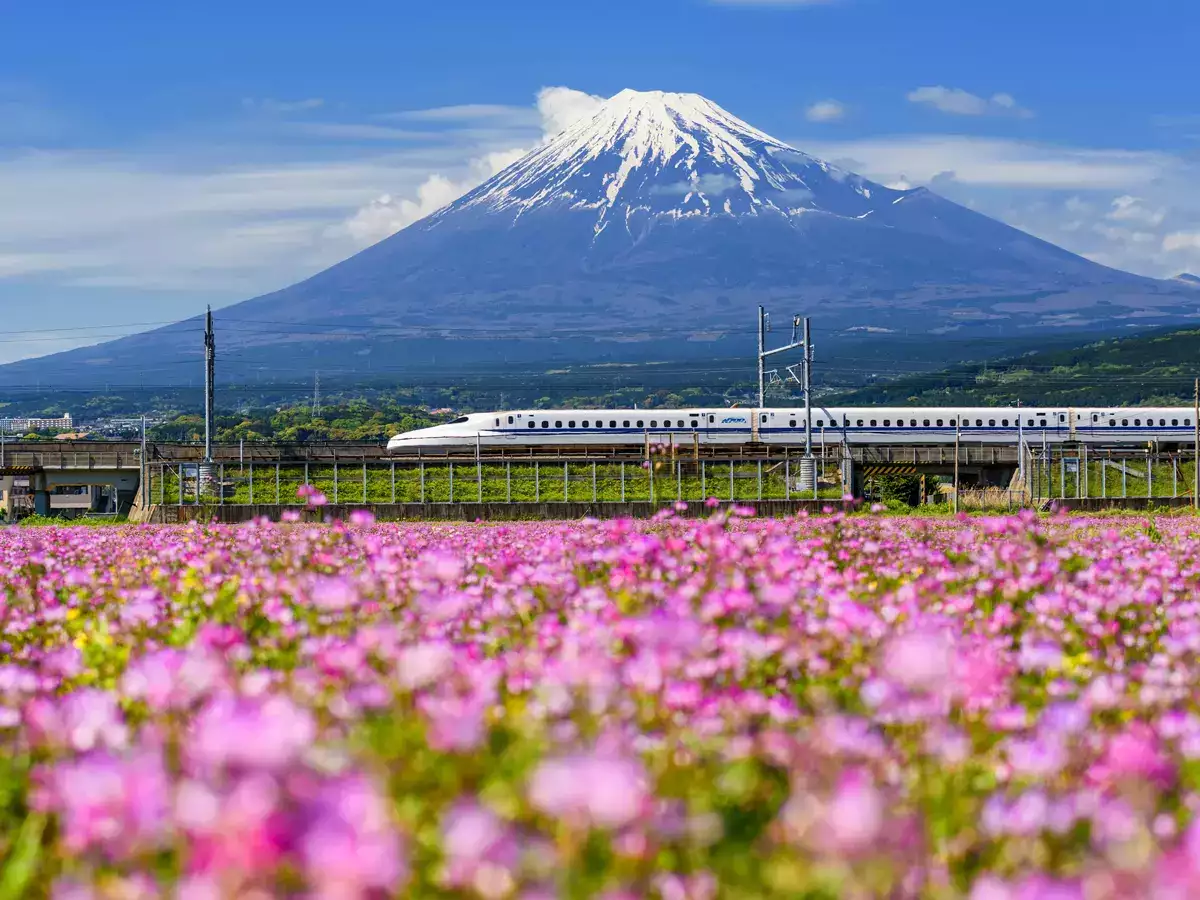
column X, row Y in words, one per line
column 1109, row 474
column 488, row 481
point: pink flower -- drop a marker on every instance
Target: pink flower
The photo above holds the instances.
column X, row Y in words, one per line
column 117, row 805
column 479, row 849
column 351, row 848
column 918, row 660
column 251, row 734
column 1133, row 754
column 854, row 815
column 424, row 664
column 242, row 831
column 333, row 593
column 82, row 720
column 456, row 724
column 601, row 790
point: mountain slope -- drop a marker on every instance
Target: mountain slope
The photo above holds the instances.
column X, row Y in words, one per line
column 650, row 230
column 1147, row 368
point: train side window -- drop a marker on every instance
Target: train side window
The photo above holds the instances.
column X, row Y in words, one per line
column 613, row 423
column 585, row 424
column 792, row 423
column 924, row 423
column 1004, row 422
column 886, row 422
column 545, row 424
column 979, row 423
column 1124, row 421
column 641, row 423
column 497, row 421
column 1030, row 423
column 952, row 421
column 712, row 419
column 510, row 420
column 695, row 424
column 654, row 423
column 1187, row 421
column 991, row 423
column 1112, row 422
column 913, row 423
column 558, row 424
column 571, row 424
column 939, row 423
column 820, row 423
column 872, row 423
column 1137, row 422
column 626, row 424
column 1061, row 417
column 1162, row 422
column 1174, row 421
column 900, row 423
column 532, row 424
column 859, row 423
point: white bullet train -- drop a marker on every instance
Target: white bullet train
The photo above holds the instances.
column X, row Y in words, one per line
column 867, row 425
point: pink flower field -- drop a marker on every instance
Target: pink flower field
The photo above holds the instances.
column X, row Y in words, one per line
column 836, row 707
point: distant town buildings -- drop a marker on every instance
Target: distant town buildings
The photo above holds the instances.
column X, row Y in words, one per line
column 22, row 425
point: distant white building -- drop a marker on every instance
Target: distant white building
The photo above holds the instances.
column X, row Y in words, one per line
column 21, row 425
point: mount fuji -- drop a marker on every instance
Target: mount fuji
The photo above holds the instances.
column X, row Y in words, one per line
column 650, row 230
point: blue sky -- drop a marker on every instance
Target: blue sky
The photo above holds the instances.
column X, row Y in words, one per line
column 155, row 157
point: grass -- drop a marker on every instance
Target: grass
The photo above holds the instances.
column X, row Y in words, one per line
column 465, row 482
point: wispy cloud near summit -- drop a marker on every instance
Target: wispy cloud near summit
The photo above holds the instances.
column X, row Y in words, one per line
column 957, row 102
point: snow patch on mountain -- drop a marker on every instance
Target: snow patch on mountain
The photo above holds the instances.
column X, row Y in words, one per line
column 671, row 155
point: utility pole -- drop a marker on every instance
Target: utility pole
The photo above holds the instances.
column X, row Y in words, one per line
column 808, row 357
column 957, row 434
column 762, row 356
column 1196, row 447
column 144, row 471
column 210, row 359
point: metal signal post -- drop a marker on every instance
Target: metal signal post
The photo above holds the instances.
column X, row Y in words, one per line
column 764, row 325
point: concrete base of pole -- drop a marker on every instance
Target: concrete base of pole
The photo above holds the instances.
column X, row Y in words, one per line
column 806, row 468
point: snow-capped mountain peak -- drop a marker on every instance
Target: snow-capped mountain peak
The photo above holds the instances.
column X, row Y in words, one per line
column 674, row 155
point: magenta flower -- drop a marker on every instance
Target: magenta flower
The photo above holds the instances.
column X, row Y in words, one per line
column 601, row 790
column 350, row 847
column 243, row 733
column 114, row 805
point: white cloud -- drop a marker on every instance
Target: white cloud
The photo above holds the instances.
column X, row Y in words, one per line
column 993, row 162
column 284, row 106
column 385, row 215
column 775, row 3
column 825, row 111
column 958, row 102
column 1182, row 240
column 464, row 112
column 562, row 107
column 359, row 131
column 1132, row 209
column 558, row 109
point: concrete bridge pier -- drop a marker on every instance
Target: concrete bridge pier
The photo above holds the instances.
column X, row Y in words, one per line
column 41, row 493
